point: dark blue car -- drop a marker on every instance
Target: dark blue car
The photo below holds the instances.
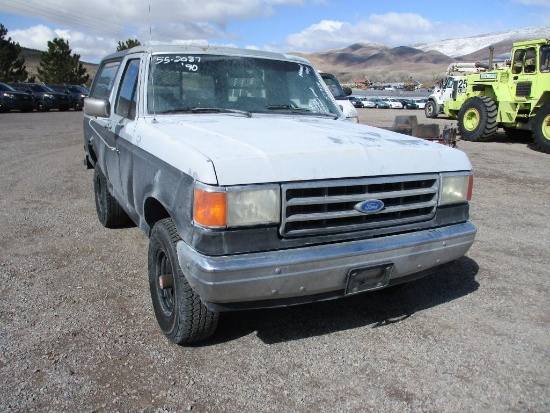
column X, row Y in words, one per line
column 44, row 98
column 75, row 92
column 12, row 99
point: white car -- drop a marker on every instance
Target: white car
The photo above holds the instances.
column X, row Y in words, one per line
column 367, row 103
column 394, row 103
column 421, row 102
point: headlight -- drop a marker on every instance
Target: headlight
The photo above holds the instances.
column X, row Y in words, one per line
column 47, row 95
column 456, row 189
column 8, row 95
column 235, row 206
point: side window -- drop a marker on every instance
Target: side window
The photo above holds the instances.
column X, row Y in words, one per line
column 517, row 63
column 105, row 79
column 530, row 60
column 545, row 59
column 126, row 101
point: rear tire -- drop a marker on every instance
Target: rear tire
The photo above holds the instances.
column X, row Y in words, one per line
column 541, row 129
column 109, row 212
column 477, row 119
column 430, row 110
column 180, row 314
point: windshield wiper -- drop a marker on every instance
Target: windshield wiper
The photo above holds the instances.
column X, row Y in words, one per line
column 295, row 109
column 205, row 110
column 287, row 107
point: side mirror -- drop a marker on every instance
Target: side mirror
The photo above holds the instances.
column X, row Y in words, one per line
column 347, row 90
column 100, row 108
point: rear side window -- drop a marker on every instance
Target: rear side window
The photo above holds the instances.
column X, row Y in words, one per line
column 105, row 80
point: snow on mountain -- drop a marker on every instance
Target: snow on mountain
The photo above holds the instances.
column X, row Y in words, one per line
column 464, row 46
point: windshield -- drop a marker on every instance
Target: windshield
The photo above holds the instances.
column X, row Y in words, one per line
column 210, row 83
column 6, row 88
column 333, row 85
column 41, row 88
column 76, row 89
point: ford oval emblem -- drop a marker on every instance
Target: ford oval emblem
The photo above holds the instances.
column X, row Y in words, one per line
column 369, row 207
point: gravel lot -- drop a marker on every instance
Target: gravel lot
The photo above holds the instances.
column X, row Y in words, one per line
column 78, row 333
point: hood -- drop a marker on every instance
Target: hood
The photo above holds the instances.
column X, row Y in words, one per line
column 234, row 149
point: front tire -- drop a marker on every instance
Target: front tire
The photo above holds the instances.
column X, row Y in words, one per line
column 430, row 110
column 541, row 129
column 41, row 106
column 477, row 119
column 109, row 212
column 180, row 314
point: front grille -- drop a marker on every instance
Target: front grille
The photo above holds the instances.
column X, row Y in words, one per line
column 327, row 207
column 523, row 89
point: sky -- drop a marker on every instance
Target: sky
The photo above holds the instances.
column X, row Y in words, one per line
column 94, row 28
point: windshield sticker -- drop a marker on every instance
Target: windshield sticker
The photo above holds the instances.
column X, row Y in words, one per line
column 189, row 62
column 303, row 69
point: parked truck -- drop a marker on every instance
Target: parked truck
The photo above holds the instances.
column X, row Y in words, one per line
column 254, row 189
column 516, row 98
column 341, row 94
column 452, row 83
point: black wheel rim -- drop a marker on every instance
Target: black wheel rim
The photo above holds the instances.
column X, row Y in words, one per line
column 165, row 295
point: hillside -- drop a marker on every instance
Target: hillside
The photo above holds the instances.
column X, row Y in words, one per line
column 32, row 59
column 424, row 63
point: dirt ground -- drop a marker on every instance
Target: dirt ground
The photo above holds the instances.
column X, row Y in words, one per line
column 78, row 334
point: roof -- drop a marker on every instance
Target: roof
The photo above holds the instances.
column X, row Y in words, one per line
column 198, row 50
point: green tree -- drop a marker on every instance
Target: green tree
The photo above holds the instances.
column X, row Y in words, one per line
column 12, row 62
column 128, row 44
column 57, row 65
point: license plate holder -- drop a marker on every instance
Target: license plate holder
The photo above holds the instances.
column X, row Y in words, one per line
column 368, row 278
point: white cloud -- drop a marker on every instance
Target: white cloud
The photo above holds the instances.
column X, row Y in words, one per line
column 36, row 37
column 92, row 27
column 393, row 29
column 544, row 3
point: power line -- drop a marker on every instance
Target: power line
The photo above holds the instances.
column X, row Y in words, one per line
column 53, row 12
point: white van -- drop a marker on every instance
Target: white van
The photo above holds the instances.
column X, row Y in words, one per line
column 341, row 97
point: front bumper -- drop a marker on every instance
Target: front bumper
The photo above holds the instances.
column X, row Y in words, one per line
column 308, row 274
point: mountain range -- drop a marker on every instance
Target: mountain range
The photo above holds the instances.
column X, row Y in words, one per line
column 422, row 62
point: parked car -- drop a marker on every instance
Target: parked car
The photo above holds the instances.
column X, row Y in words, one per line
column 12, row 99
column 355, row 101
column 381, row 104
column 408, row 104
column 44, row 98
column 421, row 102
column 367, row 102
column 76, row 93
column 394, row 103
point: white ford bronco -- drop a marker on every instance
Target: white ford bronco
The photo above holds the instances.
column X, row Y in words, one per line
column 255, row 191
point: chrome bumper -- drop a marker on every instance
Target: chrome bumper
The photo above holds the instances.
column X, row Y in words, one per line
column 257, row 278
